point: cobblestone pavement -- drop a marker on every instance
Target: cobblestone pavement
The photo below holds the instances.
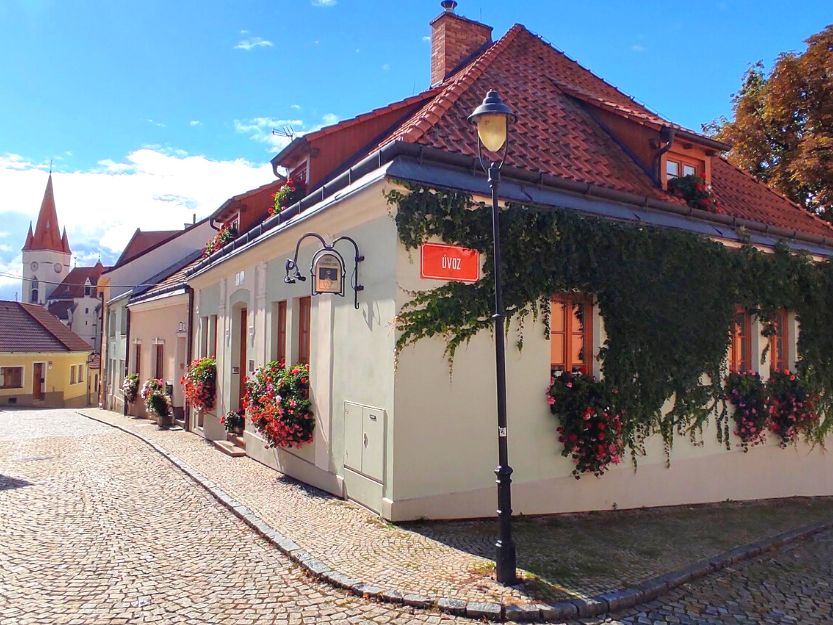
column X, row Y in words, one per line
column 367, row 547
column 98, row 529
column 790, row 586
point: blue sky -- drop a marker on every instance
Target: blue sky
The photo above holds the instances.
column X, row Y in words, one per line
column 172, row 103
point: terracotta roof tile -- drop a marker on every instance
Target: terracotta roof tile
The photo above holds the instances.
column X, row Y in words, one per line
column 61, row 309
column 142, row 241
column 32, row 328
column 73, row 285
column 743, row 196
column 555, row 134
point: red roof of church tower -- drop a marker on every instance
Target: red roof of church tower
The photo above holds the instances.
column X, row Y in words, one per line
column 47, row 234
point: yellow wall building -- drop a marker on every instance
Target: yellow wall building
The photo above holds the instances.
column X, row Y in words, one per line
column 42, row 362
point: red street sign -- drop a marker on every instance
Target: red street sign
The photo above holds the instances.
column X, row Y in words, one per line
column 449, row 262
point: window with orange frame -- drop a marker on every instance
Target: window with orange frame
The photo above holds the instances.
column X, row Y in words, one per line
column 778, row 350
column 740, row 349
column 571, row 333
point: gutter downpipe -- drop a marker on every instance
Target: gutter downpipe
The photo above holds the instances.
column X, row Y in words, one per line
column 666, row 138
column 102, row 366
column 189, row 355
column 126, row 355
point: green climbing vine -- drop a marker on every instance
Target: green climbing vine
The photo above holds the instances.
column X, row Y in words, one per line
column 667, row 298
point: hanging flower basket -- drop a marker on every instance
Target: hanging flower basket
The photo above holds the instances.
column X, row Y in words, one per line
column 291, row 191
column 200, row 383
column 748, row 395
column 277, row 404
column 792, row 409
column 591, row 429
column 695, row 192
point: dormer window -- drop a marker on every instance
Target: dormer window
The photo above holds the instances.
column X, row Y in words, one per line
column 88, row 289
column 676, row 167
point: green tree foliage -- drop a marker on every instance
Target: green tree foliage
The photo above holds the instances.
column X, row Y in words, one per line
column 782, row 131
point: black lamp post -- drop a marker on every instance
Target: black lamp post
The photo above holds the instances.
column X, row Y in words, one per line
column 492, row 119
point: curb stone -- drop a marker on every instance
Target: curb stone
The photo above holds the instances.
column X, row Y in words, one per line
column 609, row 601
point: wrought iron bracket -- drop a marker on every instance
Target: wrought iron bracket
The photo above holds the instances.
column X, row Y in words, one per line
column 293, row 272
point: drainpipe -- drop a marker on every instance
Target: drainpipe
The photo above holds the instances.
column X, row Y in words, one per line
column 189, row 349
column 666, row 138
column 102, row 366
column 126, row 353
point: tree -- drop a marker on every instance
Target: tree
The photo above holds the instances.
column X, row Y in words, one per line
column 782, row 132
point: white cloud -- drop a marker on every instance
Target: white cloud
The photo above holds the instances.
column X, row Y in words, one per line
column 426, row 37
column 151, row 188
column 386, row 67
column 637, row 47
column 195, row 122
column 260, row 129
column 253, row 42
column 323, row 3
column 295, row 107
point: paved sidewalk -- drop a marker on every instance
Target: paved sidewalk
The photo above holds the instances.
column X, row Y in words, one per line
column 443, row 560
column 344, row 536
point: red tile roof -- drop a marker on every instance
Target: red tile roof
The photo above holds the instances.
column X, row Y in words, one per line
column 61, row 309
column 142, row 241
column 743, row 196
column 174, row 279
column 556, row 135
column 32, row 328
column 76, row 279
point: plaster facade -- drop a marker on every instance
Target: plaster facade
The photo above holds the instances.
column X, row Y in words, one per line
column 66, row 379
column 409, row 438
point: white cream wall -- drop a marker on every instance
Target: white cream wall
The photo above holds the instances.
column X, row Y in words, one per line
column 153, row 322
column 352, row 356
column 445, row 437
column 147, row 265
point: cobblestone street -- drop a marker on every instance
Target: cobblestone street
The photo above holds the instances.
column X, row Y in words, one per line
column 96, row 527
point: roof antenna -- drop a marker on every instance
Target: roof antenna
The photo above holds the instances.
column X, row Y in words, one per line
column 286, row 131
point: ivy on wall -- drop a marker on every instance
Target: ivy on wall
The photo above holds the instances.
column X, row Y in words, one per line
column 667, row 298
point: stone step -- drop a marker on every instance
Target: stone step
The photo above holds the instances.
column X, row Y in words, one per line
column 236, row 440
column 229, row 448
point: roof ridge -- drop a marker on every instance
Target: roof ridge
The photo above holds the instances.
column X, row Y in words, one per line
column 777, row 194
column 458, row 84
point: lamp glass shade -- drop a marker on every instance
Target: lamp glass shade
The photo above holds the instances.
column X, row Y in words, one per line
column 492, row 129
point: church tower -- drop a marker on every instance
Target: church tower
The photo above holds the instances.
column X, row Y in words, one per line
column 46, row 253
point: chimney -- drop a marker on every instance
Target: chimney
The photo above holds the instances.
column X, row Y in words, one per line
column 453, row 40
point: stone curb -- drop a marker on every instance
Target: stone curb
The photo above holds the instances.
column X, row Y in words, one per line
column 557, row 612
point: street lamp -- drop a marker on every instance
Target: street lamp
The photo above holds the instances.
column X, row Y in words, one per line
column 492, row 119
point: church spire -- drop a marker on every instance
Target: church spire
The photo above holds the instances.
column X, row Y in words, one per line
column 29, row 239
column 47, row 231
column 65, row 241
